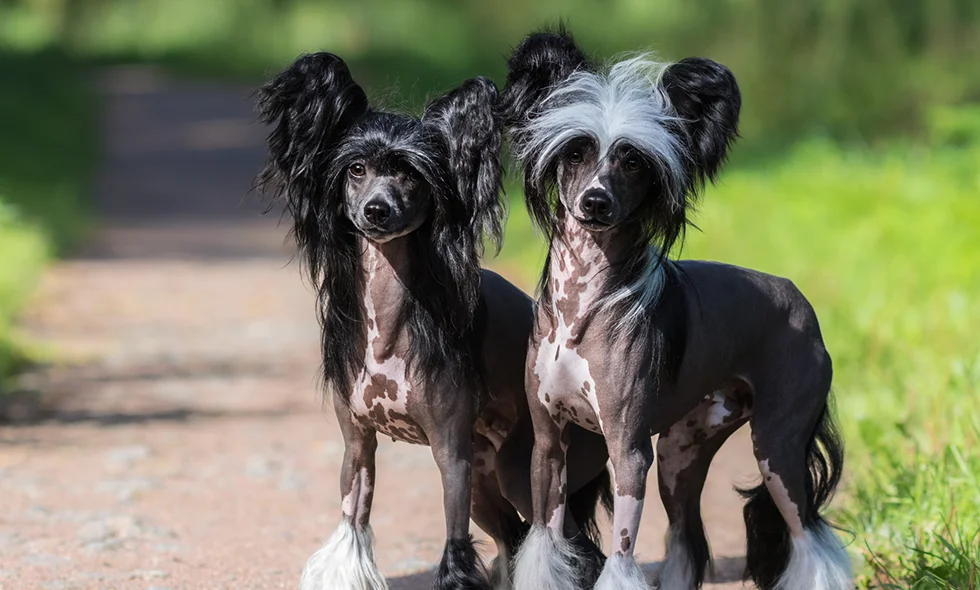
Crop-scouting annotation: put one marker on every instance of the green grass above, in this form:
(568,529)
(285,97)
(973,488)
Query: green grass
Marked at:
(47,150)
(887,248)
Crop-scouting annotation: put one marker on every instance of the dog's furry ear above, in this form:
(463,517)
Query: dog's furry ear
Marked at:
(539,63)
(466,120)
(310,106)
(706,97)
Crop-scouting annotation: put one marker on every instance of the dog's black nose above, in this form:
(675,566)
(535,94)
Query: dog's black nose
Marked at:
(597,205)
(377,212)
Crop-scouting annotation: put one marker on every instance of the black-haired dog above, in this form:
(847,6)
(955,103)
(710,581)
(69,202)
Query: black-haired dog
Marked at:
(629,343)
(418,343)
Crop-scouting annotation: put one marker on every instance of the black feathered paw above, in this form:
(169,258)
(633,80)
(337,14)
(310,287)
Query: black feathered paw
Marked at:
(461,568)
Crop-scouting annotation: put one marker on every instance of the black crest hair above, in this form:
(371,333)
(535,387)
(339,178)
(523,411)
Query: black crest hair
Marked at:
(538,64)
(321,121)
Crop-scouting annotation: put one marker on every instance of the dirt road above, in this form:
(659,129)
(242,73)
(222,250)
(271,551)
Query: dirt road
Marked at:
(187,448)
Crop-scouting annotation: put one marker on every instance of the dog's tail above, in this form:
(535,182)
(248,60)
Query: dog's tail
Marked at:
(775,559)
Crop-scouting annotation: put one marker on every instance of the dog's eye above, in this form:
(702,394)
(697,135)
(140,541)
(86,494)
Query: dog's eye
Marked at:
(574,156)
(413,174)
(633,162)
(356,170)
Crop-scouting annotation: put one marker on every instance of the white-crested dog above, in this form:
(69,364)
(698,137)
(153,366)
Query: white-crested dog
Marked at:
(629,344)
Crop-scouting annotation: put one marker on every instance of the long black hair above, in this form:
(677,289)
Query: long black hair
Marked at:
(321,120)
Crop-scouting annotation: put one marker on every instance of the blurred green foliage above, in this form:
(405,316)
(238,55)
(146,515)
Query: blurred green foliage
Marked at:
(855,70)
(47,149)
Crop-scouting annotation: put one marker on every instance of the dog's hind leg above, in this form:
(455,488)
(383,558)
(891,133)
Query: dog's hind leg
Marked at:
(452,447)
(494,514)
(790,546)
(684,453)
(346,561)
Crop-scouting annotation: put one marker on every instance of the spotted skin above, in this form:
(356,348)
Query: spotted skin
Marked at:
(580,372)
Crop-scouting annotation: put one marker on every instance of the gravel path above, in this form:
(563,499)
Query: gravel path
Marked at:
(188,449)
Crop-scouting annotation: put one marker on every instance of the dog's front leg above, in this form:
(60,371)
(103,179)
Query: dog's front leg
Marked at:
(452,447)
(631,454)
(547,560)
(346,561)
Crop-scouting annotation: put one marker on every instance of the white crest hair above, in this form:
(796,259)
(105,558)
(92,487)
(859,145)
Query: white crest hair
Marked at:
(626,103)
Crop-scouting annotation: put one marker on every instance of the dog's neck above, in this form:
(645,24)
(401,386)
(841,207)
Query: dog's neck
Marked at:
(582,263)
(385,266)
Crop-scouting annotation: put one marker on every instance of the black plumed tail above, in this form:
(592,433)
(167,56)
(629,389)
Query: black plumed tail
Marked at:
(461,568)
(768,536)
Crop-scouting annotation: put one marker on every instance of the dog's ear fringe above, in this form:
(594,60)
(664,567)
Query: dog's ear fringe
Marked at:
(706,98)
(467,121)
(310,106)
(538,64)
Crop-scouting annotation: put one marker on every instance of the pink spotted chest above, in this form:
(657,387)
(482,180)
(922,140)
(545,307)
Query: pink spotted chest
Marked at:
(384,392)
(565,382)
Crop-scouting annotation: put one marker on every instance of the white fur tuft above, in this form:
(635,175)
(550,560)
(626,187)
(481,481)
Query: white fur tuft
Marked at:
(645,290)
(345,562)
(621,573)
(817,561)
(546,561)
(676,572)
(626,103)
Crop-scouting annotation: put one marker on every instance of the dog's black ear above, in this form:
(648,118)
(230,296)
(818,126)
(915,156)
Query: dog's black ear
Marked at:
(310,106)
(539,63)
(466,120)
(706,98)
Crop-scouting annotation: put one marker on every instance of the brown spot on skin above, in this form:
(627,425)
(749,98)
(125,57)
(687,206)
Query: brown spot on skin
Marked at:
(624,532)
(378,415)
(547,398)
(587,386)
(378,388)
(551,337)
(625,544)
(557,350)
